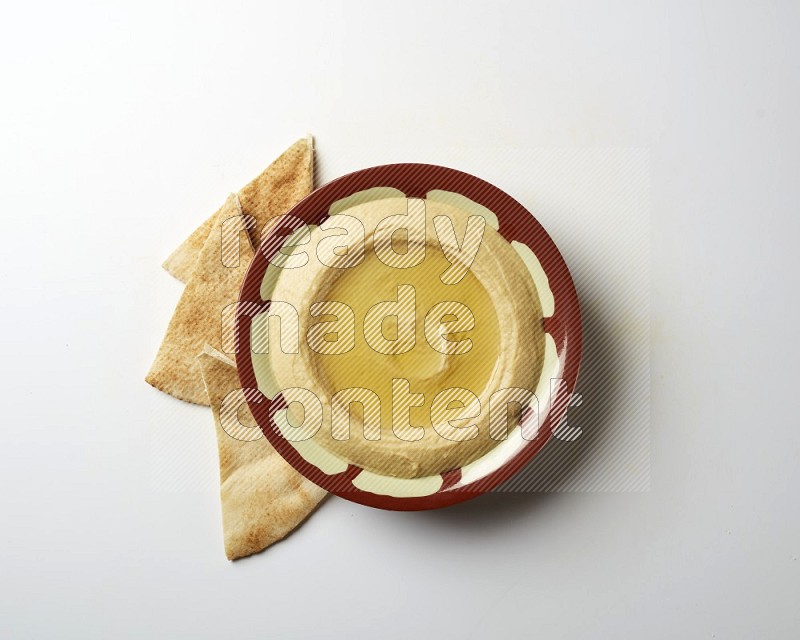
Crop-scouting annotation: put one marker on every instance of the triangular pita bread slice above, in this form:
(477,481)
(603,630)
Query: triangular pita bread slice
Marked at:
(263,497)
(197,320)
(279,187)
(181,261)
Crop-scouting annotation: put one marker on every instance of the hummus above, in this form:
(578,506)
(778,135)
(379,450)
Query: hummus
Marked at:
(415,362)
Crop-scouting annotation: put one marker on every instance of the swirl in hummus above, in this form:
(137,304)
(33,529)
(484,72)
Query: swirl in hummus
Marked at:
(419,365)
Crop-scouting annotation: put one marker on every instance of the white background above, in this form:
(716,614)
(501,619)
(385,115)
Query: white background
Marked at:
(123,126)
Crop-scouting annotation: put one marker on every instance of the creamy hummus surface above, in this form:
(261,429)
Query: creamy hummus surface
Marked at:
(418,364)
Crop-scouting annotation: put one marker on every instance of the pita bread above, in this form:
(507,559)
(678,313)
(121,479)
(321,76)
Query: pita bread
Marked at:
(181,261)
(197,320)
(279,187)
(212,286)
(263,497)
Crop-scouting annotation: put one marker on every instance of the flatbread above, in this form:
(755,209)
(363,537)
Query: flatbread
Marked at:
(197,320)
(279,187)
(263,497)
(181,261)
(212,285)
